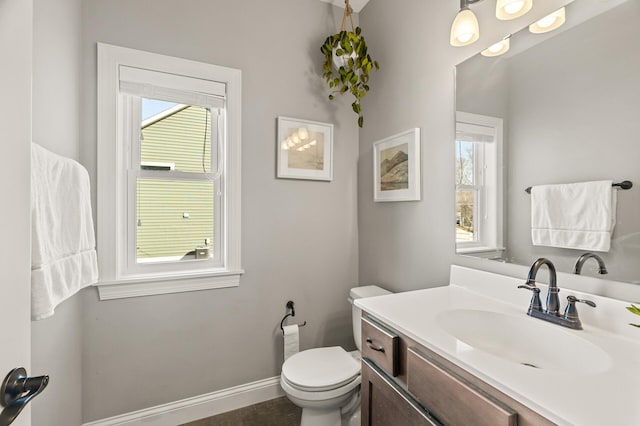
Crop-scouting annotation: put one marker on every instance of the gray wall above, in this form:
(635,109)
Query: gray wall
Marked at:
(57,341)
(299,238)
(410,245)
(481,87)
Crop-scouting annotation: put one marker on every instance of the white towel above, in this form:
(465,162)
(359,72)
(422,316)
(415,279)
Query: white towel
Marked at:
(576,215)
(63,255)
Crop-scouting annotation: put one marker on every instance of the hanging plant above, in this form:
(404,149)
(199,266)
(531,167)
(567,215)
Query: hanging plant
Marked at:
(347,63)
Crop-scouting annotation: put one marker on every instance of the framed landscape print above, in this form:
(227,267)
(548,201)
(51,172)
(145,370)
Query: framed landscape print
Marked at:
(396,167)
(305,149)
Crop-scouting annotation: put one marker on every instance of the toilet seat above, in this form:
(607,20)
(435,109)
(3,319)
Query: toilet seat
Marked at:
(327,395)
(320,369)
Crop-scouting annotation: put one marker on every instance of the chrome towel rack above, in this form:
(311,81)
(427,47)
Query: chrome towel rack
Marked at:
(292,313)
(626,184)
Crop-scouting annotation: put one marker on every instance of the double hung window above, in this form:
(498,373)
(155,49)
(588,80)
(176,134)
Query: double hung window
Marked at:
(168,169)
(478,183)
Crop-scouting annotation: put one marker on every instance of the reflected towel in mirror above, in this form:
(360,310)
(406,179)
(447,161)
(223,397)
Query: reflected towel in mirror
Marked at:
(576,215)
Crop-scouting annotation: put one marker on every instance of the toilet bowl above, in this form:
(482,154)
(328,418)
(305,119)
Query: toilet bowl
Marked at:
(325,382)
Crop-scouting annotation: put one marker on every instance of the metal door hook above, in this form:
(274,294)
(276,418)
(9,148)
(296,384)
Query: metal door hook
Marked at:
(17,391)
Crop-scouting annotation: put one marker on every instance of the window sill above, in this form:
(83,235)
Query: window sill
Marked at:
(151,286)
(478,249)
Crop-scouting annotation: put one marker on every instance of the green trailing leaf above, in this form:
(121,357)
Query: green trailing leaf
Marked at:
(633,309)
(353,76)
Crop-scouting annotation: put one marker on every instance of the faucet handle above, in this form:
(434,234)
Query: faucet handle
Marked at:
(530,287)
(571,313)
(536,304)
(573,299)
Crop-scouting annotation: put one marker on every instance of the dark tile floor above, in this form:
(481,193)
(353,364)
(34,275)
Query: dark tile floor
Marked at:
(277,412)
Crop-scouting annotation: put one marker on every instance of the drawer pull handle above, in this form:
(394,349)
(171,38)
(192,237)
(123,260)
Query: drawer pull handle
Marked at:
(375,348)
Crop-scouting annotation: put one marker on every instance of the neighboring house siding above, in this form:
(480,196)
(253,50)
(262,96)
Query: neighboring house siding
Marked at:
(178,138)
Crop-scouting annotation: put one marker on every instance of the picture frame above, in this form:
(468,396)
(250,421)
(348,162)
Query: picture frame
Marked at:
(396,167)
(305,149)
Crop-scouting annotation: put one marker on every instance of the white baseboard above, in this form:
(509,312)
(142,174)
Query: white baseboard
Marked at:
(198,407)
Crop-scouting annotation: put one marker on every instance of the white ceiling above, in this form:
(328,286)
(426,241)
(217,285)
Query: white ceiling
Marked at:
(357,5)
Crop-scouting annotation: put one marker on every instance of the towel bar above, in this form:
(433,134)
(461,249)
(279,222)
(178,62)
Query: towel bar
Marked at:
(627,184)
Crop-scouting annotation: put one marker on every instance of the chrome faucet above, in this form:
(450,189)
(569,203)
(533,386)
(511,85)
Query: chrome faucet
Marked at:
(602,269)
(552,312)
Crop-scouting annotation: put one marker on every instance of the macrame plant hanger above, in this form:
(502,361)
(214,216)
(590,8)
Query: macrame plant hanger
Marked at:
(348,12)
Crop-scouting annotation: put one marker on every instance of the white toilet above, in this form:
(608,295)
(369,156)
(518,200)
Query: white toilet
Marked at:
(325,382)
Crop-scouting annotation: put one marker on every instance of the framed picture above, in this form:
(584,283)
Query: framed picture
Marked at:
(396,167)
(305,149)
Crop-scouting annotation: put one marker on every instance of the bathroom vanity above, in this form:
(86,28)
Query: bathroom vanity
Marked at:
(467,353)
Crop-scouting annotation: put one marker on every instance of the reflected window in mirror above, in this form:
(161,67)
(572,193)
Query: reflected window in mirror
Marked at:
(478,175)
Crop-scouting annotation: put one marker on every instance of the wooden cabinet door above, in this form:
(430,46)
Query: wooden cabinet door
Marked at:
(385,403)
(455,400)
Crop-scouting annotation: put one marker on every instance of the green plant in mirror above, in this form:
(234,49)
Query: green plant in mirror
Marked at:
(634,310)
(352,75)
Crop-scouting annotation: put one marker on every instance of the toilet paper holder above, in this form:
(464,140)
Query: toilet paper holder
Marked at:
(292,313)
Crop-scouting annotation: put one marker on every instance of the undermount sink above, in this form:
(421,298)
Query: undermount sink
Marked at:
(524,340)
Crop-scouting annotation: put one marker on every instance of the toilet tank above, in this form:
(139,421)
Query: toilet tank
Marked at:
(356,313)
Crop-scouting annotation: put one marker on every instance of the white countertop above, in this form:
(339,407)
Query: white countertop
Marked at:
(610,396)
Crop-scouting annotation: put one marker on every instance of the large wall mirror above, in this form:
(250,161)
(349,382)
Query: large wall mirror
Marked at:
(558,107)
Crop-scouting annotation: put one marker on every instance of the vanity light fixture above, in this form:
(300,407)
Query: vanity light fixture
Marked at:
(498,48)
(465,29)
(550,22)
(512,9)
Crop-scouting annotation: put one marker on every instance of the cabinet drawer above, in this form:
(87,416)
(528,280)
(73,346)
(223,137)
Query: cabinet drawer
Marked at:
(385,403)
(450,397)
(380,346)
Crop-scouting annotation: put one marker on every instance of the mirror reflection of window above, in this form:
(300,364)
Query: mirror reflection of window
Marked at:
(478,183)
(467,154)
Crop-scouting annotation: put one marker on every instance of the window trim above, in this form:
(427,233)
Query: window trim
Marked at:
(491,232)
(114,283)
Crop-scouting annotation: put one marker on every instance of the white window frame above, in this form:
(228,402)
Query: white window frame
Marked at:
(489,184)
(118,280)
